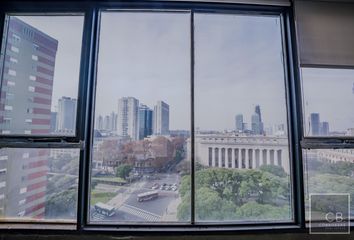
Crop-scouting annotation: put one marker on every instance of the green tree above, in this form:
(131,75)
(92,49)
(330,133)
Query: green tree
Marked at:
(62,204)
(123,171)
(253,210)
(273,169)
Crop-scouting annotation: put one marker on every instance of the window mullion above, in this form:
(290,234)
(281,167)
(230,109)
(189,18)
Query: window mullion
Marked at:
(88,78)
(192,123)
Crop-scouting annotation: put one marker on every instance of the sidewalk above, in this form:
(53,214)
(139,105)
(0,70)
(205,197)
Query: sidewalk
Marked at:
(170,215)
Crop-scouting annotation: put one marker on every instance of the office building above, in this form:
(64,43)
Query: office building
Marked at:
(145,121)
(127,121)
(324,128)
(256,121)
(66,118)
(53,121)
(113,119)
(161,118)
(239,123)
(99,123)
(315,124)
(107,123)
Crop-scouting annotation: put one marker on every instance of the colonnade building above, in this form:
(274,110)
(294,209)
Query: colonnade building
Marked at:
(241,152)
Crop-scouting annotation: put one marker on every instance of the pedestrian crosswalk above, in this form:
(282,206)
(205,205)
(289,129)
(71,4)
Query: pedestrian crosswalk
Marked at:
(97,216)
(148,216)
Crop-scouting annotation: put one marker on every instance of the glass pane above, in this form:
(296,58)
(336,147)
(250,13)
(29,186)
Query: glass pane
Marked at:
(38,184)
(142,119)
(40,74)
(241,144)
(328,171)
(328,95)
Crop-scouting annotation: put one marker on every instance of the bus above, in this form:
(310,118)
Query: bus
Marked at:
(104,209)
(147,196)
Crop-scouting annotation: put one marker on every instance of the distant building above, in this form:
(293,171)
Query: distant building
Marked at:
(113,118)
(241,152)
(315,124)
(256,121)
(324,128)
(128,121)
(66,117)
(53,121)
(99,124)
(145,121)
(161,118)
(239,124)
(107,123)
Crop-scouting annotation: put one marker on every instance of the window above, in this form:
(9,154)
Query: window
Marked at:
(241,109)
(170,116)
(327,89)
(12,72)
(13,60)
(58,41)
(142,118)
(15,49)
(39,181)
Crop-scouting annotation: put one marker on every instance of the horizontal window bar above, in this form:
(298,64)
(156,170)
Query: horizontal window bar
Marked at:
(40,143)
(325,143)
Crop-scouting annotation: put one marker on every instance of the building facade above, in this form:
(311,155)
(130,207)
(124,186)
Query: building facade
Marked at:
(66,117)
(161,119)
(239,123)
(241,152)
(145,121)
(128,121)
(27,86)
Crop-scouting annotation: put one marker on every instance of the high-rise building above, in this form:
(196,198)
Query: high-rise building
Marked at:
(145,121)
(239,123)
(127,121)
(256,121)
(26,95)
(53,121)
(66,118)
(107,123)
(315,124)
(99,124)
(161,118)
(324,128)
(113,118)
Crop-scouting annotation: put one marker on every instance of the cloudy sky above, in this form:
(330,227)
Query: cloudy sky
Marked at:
(238,64)
(68,31)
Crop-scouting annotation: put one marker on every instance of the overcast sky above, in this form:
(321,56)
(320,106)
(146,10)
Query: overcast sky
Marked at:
(68,31)
(238,64)
(330,92)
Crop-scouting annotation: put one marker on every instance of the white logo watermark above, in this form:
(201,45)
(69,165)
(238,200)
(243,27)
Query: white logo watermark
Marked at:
(329,213)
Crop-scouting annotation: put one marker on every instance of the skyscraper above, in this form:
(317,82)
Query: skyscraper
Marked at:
(161,118)
(145,121)
(27,73)
(66,118)
(315,124)
(256,121)
(127,121)
(107,123)
(113,118)
(99,124)
(324,128)
(53,121)
(239,123)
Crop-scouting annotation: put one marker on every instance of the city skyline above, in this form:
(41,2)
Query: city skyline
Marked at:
(330,90)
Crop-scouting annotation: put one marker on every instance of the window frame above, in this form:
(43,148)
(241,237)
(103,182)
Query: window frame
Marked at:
(85,117)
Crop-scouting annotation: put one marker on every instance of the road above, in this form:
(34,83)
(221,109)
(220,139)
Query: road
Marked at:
(129,209)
